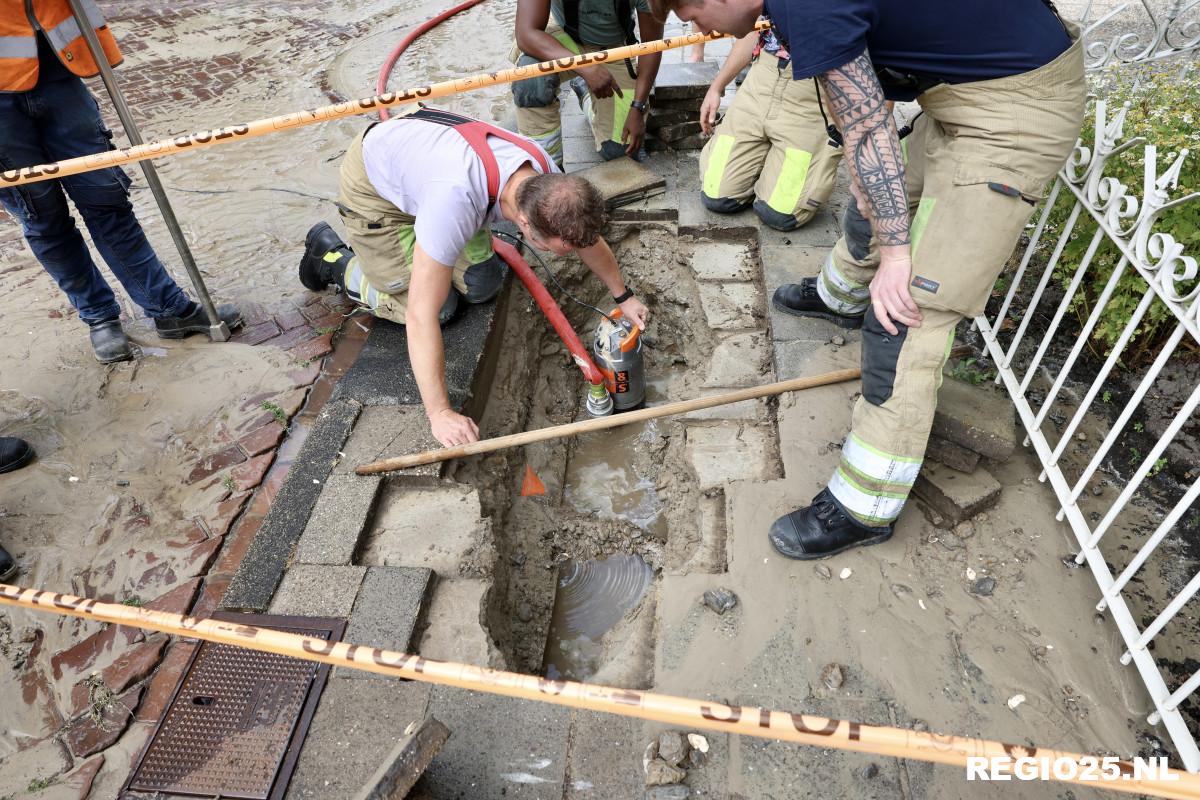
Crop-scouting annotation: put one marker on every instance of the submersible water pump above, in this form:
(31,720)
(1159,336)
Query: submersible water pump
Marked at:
(618,351)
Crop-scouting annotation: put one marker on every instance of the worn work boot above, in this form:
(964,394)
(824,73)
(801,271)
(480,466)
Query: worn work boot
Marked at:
(109,342)
(8,567)
(14,453)
(822,530)
(802,300)
(195,321)
(315,271)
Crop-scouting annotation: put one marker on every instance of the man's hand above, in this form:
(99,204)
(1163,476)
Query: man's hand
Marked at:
(635,311)
(634,132)
(451,428)
(709,109)
(600,81)
(890,297)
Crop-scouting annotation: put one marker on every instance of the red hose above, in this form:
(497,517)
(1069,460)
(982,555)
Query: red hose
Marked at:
(591,372)
(386,70)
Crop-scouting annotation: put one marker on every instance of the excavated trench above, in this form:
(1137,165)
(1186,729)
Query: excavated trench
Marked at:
(573,575)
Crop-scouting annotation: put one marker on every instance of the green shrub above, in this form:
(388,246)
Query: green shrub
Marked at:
(1164,108)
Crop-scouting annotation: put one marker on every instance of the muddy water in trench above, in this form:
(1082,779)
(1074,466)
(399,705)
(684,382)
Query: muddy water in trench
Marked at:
(604,478)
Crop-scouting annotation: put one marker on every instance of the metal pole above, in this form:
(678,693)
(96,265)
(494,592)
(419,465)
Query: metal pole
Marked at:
(218,331)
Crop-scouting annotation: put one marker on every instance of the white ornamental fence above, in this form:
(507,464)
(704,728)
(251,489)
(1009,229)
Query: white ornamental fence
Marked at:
(1158,35)
(1127,217)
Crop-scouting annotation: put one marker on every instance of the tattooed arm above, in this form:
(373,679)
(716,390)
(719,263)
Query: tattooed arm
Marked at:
(873,156)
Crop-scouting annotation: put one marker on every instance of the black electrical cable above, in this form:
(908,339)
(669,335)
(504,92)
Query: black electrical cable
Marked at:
(520,244)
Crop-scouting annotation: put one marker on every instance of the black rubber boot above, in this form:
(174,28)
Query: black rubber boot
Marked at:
(8,567)
(821,530)
(802,300)
(109,342)
(14,453)
(315,272)
(195,321)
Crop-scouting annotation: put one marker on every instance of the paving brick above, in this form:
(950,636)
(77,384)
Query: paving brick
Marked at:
(385,432)
(80,779)
(291,338)
(313,348)
(335,529)
(955,495)
(731,452)
(87,736)
(623,181)
(980,418)
(952,455)
(403,767)
(684,81)
(262,439)
(238,542)
(215,462)
(739,360)
(132,666)
(425,526)
(732,306)
(318,591)
(256,334)
(250,474)
(389,604)
(177,600)
(723,261)
(290,318)
(454,621)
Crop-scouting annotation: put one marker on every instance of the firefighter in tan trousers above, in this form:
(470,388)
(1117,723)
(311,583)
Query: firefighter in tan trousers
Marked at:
(614,95)
(771,150)
(1002,90)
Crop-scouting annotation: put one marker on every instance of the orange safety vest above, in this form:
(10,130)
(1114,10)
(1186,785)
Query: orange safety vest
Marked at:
(20,20)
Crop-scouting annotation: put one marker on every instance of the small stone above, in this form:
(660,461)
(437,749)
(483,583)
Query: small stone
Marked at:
(518,558)
(832,676)
(675,792)
(845,573)
(696,758)
(870,771)
(823,572)
(1015,701)
(720,599)
(838,340)
(1097,491)
(920,726)
(900,590)
(970,574)
(1081,436)
(981,517)
(1069,561)
(524,612)
(122,482)
(1027,481)
(672,747)
(660,773)
(951,541)
(698,742)
(983,587)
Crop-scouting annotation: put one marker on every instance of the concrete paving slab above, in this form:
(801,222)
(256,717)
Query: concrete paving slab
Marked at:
(356,726)
(336,526)
(386,432)
(386,611)
(312,590)
(623,181)
(788,265)
(454,622)
(813,424)
(499,747)
(743,410)
(980,418)
(955,495)
(731,452)
(732,306)
(952,455)
(683,81)
(262,567)
(723,261)
(434,527)
(803,357)
(605,757)
(739,360)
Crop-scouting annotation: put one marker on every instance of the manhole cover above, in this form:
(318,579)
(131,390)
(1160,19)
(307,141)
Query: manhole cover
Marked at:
(238,718)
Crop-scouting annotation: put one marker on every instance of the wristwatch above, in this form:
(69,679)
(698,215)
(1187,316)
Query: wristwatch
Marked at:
(623,296)
(640,105)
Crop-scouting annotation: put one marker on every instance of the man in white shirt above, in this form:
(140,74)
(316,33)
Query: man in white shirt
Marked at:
(417,196)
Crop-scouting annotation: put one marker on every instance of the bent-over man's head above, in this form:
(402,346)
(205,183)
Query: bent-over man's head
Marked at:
(735,17)
(560,213)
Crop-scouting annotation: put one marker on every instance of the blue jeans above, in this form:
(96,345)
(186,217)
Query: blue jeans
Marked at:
(56,120)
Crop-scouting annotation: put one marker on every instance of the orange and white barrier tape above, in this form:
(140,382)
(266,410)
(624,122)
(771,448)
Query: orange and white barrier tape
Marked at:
(678,711)
(298,119)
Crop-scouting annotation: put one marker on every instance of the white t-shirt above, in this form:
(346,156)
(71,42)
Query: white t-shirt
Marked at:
(428,171)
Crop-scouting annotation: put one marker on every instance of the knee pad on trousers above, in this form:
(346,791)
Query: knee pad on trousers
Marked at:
(449,308)
(775,219)
(880,355)
(484,280)
(857,230)
(723,205)
(610,150)
(536,92)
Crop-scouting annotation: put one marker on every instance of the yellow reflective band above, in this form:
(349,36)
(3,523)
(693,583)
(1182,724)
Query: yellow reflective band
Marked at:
(621,107)
(722,148)
(791,181)
(920,220)
(332,256)
(904,150)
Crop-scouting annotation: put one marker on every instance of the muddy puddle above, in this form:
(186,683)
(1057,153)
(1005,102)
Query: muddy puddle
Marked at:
(603,479)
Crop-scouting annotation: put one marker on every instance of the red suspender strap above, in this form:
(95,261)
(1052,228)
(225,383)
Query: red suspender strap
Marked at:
(476,133)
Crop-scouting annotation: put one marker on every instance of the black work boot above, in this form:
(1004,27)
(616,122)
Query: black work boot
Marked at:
(821,530)
(14,453)
(195,321)
(109,342)
(315,272)
(8,567)
(802,300)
